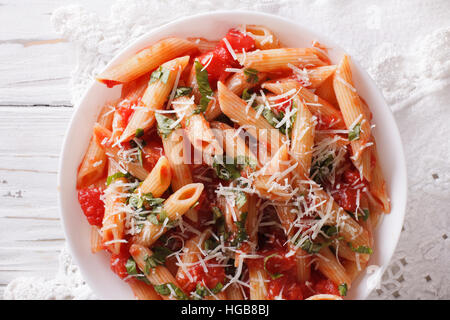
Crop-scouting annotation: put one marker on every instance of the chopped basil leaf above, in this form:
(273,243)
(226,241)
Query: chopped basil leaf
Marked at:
(353,134)
(322,168)
(139,132)
(201,291)
(183,91)
(360,249)
(311,247)
(366,214)
(273,119)
(203,86)
(133,271)
(252,75)
(131,267)
(245,95)
(211,244)
(330,230)
(140,159)
(219,221)
(115,176)
(272,275)
(241,234)
(226,168)
(160,74)
(167,288)
(241,199)
(343,289)
(165,125)
(158,258)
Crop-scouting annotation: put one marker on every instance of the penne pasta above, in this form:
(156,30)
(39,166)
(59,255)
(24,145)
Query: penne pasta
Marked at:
(143,291)
(355,118)
(263,36)
(174,207)
(94,163)
(278,59)
(158,276)
(291,188)
(160,86)
(302,139)
(145,61)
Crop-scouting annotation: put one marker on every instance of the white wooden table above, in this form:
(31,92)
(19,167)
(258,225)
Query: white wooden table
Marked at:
(35,109)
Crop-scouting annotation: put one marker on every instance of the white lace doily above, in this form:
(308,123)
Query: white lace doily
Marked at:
(412,69)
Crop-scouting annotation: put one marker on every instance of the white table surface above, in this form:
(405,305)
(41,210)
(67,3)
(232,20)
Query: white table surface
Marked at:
(35,70)
(35,67)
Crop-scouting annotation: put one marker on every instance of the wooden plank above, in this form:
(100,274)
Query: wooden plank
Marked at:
(32,236)
(34,60)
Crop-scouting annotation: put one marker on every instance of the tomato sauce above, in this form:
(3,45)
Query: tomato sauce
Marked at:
(209,278)
(220,58)
(345,190)
(282,104)
(118,261)
(91,204)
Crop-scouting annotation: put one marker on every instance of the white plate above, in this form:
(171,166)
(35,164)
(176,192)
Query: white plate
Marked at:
(95,267)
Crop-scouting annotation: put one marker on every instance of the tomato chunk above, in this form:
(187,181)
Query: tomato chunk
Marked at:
(326,286)
(92,206)
(118,261)
(217,60)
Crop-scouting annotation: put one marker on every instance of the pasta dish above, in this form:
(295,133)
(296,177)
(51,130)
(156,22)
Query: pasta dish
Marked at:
(233,169)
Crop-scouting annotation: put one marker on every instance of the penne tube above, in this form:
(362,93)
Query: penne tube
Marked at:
(174,207)
(264,37)
(197,129)
(348,227)
(94,163)
(377,185)
(258,278)
(146,60)
(236,109)
(96,239)
(275,60)
(355,118)
(327,115)
(326,92)
(234,292)
(317,76)
(270,182)
(143,291)
(158,275)
(353,269)
(160,86)
(343,250)
(239,81)
(158,179)
(113,224)
(174,148)
(302,142)
(103,138)
(330,267)
(231,142)
(203,44)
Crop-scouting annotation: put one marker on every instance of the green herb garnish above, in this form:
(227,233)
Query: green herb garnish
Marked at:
(161,74)
(203,86)
(167,288)
(272,275)
(343,289)
(353,134)
(158,258)
(183,91)
(252,75)
(139,132)
(360,249)
(115,176)
(165,125)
